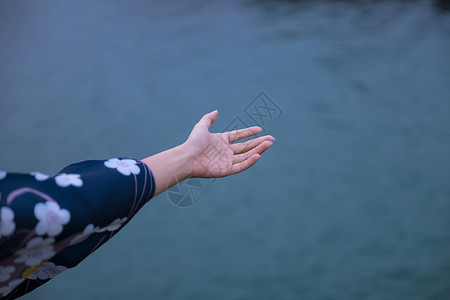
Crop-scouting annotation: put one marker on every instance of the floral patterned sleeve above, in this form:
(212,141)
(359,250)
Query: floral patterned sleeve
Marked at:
(50,224)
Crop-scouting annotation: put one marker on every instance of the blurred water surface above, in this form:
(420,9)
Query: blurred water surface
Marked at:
(351,202)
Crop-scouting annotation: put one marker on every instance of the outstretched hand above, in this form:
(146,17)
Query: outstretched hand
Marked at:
(217,154)
(206,154)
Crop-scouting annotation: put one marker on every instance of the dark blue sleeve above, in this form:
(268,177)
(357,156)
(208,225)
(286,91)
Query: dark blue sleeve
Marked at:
(50,224)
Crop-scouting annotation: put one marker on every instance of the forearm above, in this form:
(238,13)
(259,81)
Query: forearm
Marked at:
(49,224)
(169,167)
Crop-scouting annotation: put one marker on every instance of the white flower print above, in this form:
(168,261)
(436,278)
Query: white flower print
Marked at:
(88,230)
(37,250)
(7,224)
(114,225)
(46,271)
(5,290)
(65,180)
(5,272)
(40,176)
(124,166)
(2,174)
(51,218)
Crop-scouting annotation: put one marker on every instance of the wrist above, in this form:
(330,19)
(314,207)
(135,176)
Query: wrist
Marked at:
(183,158)
(170,167)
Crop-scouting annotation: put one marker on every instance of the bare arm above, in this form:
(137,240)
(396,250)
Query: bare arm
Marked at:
(207,155)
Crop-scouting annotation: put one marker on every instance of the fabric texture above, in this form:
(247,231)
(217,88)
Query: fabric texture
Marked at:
(50,224)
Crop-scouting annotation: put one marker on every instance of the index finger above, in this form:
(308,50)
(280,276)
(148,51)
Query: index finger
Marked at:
(240,134)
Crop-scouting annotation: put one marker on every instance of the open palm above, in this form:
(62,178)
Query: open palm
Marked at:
(216,154)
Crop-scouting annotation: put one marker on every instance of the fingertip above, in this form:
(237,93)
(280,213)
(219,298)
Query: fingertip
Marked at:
(253,159)
(256,157)
(267,138)
(214,114)
(209,118)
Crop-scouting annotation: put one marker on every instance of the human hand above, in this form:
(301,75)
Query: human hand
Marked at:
(207,155)
(217,154)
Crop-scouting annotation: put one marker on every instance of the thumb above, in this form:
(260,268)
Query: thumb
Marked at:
(208,119)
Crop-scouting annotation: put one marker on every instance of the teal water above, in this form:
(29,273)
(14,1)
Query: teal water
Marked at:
(351,202)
